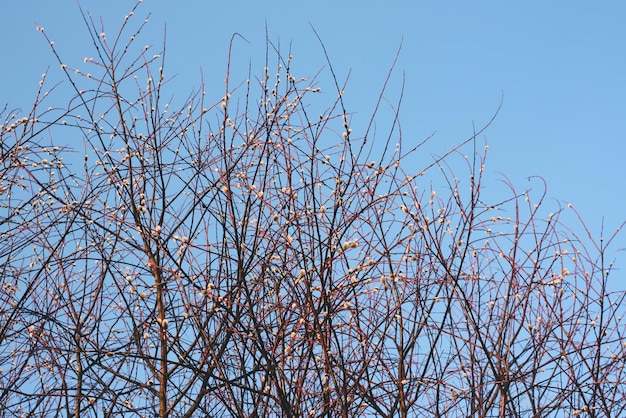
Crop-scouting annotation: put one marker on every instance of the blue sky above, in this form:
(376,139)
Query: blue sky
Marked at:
(560,66)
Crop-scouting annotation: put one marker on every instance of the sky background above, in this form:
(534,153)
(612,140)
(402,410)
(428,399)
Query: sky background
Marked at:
(560,68)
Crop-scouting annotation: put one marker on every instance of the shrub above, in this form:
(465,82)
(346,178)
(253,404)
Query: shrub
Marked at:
(247,257)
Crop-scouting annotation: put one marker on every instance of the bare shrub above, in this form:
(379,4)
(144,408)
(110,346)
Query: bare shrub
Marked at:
(249,257)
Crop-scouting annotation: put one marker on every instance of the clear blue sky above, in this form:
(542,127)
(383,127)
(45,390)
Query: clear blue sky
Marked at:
(560,65)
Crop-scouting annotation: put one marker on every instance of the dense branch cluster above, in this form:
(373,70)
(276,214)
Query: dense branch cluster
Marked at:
(255,257)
